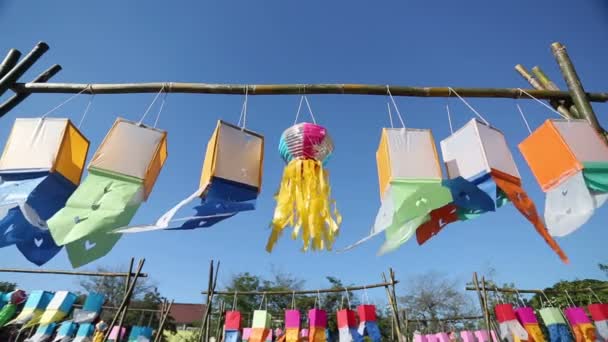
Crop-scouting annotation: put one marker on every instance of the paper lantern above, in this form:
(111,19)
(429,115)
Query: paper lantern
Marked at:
(317,321)
(570,162)
(599,314)
(43,333)
(507,321)
(442,337)
(59,307)
(526,316)
(66,331)
(468,336)
(303,200)
(246,334)
(368,327)
(230,183)
(410,181)
(419,337)
(40,167)
(117,334)
(121,176)
(85,332)
(292,326)
(581,324)
(347,326)
(483,336)
(480,155)
(91,308)
(34,307)
(232,326)
(140,334)
(7,313)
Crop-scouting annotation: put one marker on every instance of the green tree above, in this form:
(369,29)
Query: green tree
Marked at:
(604,268)
(578,293)
(6,286)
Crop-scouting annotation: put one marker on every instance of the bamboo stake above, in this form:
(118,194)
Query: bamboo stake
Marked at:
(290,89)
(391,302)
(289,292)
(22,66)
(447,319)
(482,302)
(16,99)
(74,273)
(12,57)
(556,104)
(579,97)
(127,283)
(401,336)
(548,84)
(485,296)
(513,290)
(161,326)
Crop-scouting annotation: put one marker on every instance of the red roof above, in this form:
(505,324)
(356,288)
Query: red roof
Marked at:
(184,313)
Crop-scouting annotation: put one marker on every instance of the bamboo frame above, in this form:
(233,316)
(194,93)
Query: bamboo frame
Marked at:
(302,292)
(73,273)
(16,99)
(9,79)
(447,319)
(533,291)
(292,89)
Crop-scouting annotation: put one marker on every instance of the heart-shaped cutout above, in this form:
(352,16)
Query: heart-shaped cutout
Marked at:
(9,229)
(88,245)
(38,242)
(442,223)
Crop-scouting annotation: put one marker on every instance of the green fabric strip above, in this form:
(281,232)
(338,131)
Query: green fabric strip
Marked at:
(415,198)
(596,176)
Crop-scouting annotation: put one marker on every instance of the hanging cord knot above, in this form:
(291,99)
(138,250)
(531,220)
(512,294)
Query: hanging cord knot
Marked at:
(470,107)
(152,104)
(447,109)
(388,92)
(243,116)
(544,104)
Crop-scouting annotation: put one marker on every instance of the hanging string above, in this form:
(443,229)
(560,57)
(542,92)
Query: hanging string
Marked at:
(303,98)
(595,295)
(388,91)
(243,115)
(318,299)
(390,114)
(521,91)
(447,108)
(234,301)
(262,302)
(86,110)
(519,298)
(521,112)
(151,104)
(66,101)
(160,109)
(293,300)
(365,295)
(470,107)
(498,296)
(547,298)
(347,298)
(570,298)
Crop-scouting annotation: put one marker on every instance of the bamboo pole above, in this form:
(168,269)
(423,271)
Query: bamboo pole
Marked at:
(290,89)
(482,301)
(392,302)
(161,326)
(579,97)
(534,291)
(447,319)
(127,283)
(289,292)
(16,99)
(12,57)
(548,84)
(22,66)
(74,273)
(556,104)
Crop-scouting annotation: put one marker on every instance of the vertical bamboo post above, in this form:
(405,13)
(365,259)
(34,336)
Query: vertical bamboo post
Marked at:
(204,331)
(485,295)
(161,325)
(549,85)
(390,294)
(406,323)
(127,283)
(482,302)
(536,84)
(206,312)
(579,97)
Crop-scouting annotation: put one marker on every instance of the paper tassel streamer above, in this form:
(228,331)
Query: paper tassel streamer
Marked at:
(303,200)
(479,154)
(36,302)
(140,334)
(260,329)
(66,332)
(122,174)
(292,326)
(91,308)
(526,316)
(317,320)
(599,314)
(410,185)
(43,333)
(570,162)
(368,327)
(40,167)
(347,326)
(583,329)
(232,326)
(58,308)
(230,183)
(85,332)
(510,328)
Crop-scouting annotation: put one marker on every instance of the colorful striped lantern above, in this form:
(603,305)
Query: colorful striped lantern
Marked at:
(121,176)
(85,332)
(40,168)
(58,308)
(292,326)
(570,162)
(468,336)
(418,337)
(556,324)
(117,334)
(260,329)
(510,328)
(599,314)
(90,309)
(304,197)
(526,316)
(66,332)
(483,336)
(480,155)
(368,327)
(410,179)
(442,337)
(347,326)
(36,302)
(140,334)
(317,321)
(583,329)
(232,326)
(43,333)
(246,334)
(230,183)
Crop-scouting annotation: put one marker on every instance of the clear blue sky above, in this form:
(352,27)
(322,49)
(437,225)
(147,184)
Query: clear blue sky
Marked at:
(420,43)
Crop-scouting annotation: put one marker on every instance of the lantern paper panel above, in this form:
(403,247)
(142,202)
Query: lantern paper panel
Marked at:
(305,189)
(121,176)
(33,308)
(117,334)
(368,327)
(570,162)
(66,331)
(347,326)
(599,314)
(85,332)
(509,327)
(292,326)
(90,309)
(230,182)
(59,307)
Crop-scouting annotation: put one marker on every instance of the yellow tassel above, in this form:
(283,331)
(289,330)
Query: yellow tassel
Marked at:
(303,202)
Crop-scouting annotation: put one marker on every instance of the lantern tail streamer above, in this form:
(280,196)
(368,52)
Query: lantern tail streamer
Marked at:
(43,333)
(66,331)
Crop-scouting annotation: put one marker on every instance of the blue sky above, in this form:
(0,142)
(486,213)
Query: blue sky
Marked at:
(418,43)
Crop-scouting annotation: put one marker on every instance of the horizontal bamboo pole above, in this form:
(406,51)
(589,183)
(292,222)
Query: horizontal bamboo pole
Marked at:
(292,89)
(74,273)
(114,308)
(447,319)
(301,292)
(512,290)
(16,99)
